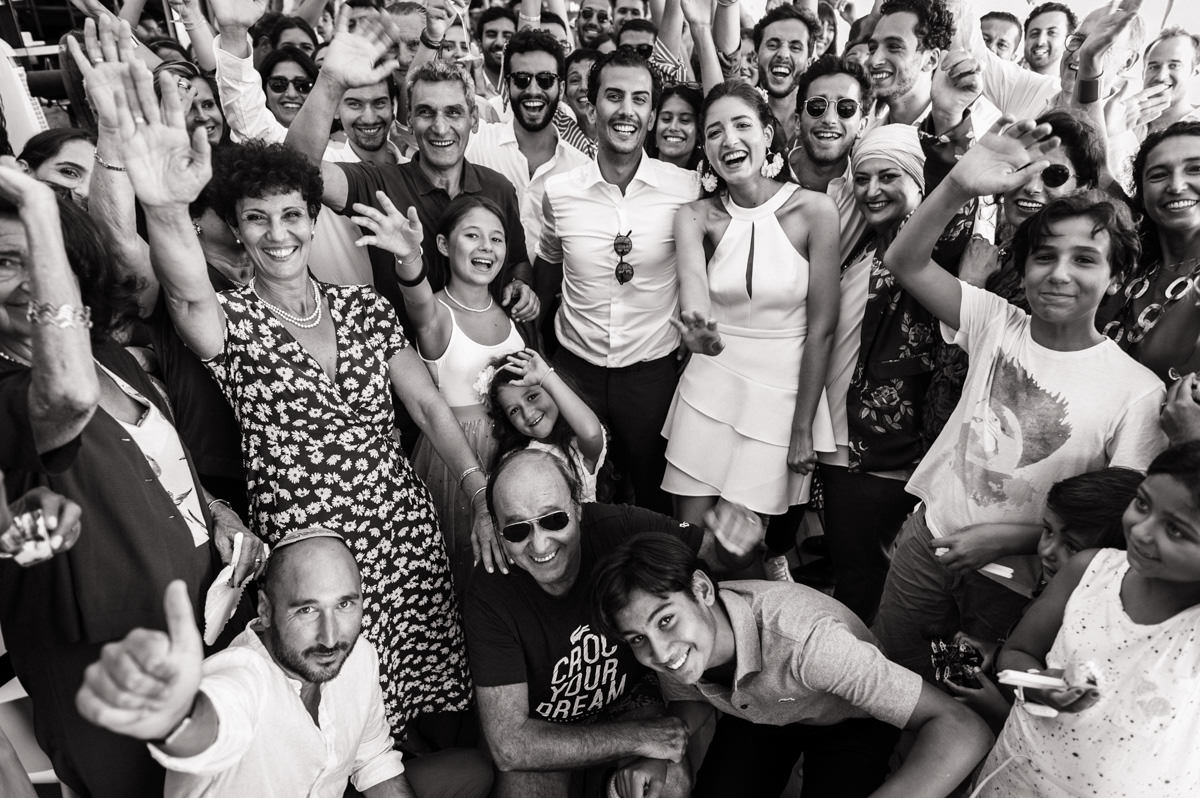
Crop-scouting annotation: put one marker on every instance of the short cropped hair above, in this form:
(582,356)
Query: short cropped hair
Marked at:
(828,65)
(1091,505)
(654,562)
(493,13)
(1004,16)
(439,71)
(532,40)
(1049,8)
(1183,463)
(1176,32)
(623,58)
(637,24)
(935,23)
(787,11)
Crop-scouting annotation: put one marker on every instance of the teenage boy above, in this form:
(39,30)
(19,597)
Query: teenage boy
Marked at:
(792,671)
(1046,396)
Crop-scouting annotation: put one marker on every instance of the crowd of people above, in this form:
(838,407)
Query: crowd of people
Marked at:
(429,399)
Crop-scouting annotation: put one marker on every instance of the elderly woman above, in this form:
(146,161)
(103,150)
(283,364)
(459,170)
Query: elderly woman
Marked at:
(879,370)
(78,416)
(309,369)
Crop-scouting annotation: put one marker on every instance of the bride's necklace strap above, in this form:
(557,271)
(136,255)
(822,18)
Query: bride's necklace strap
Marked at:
(485,309)
(303,322)
(14,359)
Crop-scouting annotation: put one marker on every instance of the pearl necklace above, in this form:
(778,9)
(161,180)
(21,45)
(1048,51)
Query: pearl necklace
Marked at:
(12,359)
(491,301)
(303,322)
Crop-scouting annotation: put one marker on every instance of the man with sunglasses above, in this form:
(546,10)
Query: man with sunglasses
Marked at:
(638,35)
(593,25)
(527,149)
(560,703)
(608,247)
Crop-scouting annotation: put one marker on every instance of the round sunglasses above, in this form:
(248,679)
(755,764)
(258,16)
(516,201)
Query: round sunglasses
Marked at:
(817,106)
(279,84)
(517,531)
(1055,175)
(587,14)
(545,80)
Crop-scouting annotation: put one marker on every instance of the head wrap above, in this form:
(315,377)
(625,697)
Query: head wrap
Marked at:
(895,143)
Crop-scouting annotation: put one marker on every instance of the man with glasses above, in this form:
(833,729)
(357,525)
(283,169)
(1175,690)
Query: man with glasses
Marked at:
(608,246)
(638,35)
(560,703)
(528,149)
(593,25)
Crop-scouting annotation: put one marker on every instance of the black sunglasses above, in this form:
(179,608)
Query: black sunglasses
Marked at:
(551,522)
(817,106)
(279,84)
(545,80)
(623,245)
(588,13)
(1055,175)
(644,50)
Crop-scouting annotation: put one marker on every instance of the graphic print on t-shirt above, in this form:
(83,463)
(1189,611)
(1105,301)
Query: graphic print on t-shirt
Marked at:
(585,679)
(1018,423)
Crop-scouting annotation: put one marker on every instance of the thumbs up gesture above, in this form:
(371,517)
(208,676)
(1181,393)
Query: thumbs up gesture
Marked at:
(144,686)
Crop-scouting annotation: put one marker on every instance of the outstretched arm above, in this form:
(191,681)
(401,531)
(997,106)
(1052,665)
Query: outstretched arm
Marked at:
(534,370)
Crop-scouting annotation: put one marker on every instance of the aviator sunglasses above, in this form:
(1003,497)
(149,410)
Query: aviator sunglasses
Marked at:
(817,106)
(551,522)
(545,80)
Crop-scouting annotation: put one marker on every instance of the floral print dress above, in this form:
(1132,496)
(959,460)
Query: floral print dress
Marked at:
(321,452)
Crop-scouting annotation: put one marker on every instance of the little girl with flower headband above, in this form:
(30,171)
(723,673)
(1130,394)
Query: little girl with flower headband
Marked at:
(459,331)
(535,408)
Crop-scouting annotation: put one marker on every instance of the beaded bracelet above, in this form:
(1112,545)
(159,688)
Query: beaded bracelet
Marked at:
(112,167)
(61,316)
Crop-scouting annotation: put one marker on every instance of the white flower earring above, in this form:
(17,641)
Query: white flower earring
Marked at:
(708,178)
(772,165)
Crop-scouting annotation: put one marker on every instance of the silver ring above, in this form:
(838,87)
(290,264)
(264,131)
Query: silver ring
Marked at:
(258,560)
(139,120)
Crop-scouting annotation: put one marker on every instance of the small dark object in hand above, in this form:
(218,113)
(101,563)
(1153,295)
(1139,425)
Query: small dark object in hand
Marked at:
(955,662)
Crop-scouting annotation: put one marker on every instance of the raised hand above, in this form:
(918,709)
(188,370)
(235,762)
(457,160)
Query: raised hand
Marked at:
(1143,107)
(439,14)
(165,165)
(108,48)
(699,334)
(957,82)
(92,8)
(1109,28)
(187,11)
(360,57)
(392,230)
(237,13)
(529,366)
(980,260)
(1003,160)
(1180,417)
(143,686)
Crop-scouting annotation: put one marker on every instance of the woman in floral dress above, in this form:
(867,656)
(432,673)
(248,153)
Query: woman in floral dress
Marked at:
(308,368)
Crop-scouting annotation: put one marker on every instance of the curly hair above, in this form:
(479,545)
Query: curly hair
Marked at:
(828,65)
(532,40)
(43,146)
(935,23)
(788,11)
(1079,137)
(111,294)
(749,95)
(1149,230)
(1107,215)
(256,168)
(623,58)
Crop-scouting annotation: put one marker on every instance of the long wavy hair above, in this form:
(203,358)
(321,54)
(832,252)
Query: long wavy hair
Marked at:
(750,96)
(1147,229)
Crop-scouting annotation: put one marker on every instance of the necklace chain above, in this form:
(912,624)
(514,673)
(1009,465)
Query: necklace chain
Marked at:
(1136,328)
(303,322)
(12,358)
(485,309)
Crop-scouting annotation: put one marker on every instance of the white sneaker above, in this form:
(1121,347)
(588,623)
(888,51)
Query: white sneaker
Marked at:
(778,569)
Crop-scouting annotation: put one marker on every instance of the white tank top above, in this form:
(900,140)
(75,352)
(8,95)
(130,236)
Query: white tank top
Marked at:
(457,370)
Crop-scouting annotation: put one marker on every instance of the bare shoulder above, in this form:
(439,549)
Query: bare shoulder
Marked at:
(808,202)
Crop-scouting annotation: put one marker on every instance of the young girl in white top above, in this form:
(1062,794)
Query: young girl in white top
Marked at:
(459,331)
(535,408)
(1120,627)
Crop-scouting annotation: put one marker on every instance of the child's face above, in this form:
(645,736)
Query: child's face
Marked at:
(477,247)
(1162,531)
(1057,544)
(530,410)
(1068,273)
(674,635)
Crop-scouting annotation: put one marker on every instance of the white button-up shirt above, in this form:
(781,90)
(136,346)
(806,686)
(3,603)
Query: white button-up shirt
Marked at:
(267,744)
(600,320)
(495,145)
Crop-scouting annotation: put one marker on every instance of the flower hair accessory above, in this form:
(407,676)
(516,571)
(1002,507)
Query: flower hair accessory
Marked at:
(483,383)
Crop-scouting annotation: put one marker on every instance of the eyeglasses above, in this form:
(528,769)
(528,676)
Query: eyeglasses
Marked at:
(817,106)
(1055,175)
(545,80)
(1074,42)
(587,14)
(551,522)
(279,84)
(644,50)
(623,245)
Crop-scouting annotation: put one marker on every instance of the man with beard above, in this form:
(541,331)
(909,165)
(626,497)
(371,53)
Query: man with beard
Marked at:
(232,724)
(593,25)
(496,26)
(1173,60)
(441,115)
(783,41)
(906,47)
(527,149)
(833,96)
(1046,30)
(607,245)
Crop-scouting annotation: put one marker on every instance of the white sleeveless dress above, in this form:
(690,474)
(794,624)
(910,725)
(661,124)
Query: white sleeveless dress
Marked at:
(1140,738)
(730,422)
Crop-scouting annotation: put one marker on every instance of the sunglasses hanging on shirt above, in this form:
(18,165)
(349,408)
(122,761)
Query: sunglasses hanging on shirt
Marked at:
(623,245)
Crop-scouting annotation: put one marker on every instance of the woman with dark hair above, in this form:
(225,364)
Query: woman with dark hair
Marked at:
(80,417)
(62,156)
(1155,316)
(826,42)
(758,316)
(309,369)
(676,138)
(206,111)
(288,75)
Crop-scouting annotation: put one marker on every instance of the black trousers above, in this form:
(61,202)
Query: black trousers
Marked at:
(845,760)
(632,402)
(863,514)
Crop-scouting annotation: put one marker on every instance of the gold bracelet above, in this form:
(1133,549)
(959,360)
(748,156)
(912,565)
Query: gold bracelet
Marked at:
(61,316)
